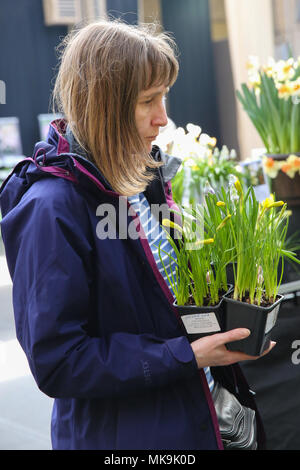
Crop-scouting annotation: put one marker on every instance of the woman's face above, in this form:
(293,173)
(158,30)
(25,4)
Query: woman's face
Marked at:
(150,114)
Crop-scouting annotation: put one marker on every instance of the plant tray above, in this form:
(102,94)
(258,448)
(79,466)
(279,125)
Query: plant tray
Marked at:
(259,320)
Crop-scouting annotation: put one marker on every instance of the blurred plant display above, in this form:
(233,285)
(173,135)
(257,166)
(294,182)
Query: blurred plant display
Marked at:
(289,166)
(204,166)
(271,99)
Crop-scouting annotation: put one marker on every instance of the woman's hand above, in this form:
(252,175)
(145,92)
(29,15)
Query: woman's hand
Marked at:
(211,350)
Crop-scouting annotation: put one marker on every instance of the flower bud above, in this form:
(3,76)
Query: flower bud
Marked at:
(170,224)
(238,187)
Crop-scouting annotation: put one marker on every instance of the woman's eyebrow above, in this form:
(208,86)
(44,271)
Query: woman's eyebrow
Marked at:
(152,95)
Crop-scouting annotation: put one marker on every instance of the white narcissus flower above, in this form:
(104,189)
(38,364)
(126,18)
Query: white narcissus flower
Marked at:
(269,69)
(206,140)
(291,166)
(164,140)
(194,130)
(254,80)
(285,70)
(285,90)
(271,166)
(187,144)
(296,87)
(294,161)
(252,63)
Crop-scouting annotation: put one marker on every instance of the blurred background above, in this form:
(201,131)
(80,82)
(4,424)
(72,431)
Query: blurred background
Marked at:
(215,39)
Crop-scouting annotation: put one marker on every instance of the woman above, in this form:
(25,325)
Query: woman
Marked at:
(93,311)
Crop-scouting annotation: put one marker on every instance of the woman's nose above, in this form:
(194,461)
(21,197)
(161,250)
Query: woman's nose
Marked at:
(160,119)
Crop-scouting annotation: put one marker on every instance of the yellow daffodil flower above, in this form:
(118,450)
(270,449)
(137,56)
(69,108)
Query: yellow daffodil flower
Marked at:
(170,224)
(199,244)
(285,90)
(238,187)
(271,166)
(275,204)
(252,63)
(285,69)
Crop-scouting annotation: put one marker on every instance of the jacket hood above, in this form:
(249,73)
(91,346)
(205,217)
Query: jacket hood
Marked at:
(60,155)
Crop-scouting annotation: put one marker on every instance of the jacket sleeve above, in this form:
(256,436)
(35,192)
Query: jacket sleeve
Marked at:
(48,254)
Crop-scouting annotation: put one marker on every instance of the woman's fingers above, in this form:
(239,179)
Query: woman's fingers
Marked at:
(211,350)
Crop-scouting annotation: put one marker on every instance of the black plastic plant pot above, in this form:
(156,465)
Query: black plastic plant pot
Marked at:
(201,321)
(259,320)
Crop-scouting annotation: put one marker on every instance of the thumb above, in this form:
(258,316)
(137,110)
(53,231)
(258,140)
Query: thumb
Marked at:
(233,335)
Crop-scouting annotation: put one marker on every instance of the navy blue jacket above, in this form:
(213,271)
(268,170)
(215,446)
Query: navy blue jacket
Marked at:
(95,317)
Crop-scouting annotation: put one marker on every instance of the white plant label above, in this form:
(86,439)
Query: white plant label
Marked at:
(271,320)
(201,323)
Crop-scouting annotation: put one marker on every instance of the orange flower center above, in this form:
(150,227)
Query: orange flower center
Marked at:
(270,163)
(286,167)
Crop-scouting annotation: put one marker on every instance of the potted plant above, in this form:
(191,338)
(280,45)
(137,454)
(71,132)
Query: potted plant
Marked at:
(249,236)
(271,99)
(258,236)
(198,284)
(202,163)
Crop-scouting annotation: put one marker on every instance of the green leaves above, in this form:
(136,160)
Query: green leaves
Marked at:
(258,238)
(231,227)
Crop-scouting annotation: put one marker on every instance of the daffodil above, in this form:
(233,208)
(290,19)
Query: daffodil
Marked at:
(238,187)
(193,129)
(254,82)
(201,160)
(276,120)
(170,224)
(289,169)
(252,63)
(199,244)
(285,90)
(206,140)
(271,166)
(294,161)
(296,87)
(275,204)
(269,68)
(285,69)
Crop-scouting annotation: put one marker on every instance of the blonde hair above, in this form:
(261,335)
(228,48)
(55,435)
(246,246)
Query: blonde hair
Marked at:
(103,68)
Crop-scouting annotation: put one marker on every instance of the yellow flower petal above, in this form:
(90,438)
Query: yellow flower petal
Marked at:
(207,241)
(170,224)
(275,204)
(238,187)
